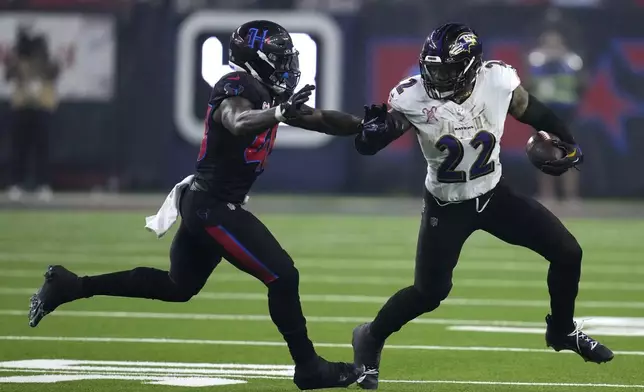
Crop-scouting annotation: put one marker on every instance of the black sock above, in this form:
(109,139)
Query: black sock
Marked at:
(563,285)
(141,282)
(286,312)
(402,307)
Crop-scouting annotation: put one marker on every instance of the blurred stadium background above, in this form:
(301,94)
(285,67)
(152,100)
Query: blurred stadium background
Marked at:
(111,116)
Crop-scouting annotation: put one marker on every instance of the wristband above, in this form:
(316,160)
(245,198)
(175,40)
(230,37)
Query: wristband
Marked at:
(278,114)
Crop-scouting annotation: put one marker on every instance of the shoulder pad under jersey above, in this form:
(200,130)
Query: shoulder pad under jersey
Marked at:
(500,75)
(407,95)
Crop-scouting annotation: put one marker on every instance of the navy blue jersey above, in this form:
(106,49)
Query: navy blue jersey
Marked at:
(230,164)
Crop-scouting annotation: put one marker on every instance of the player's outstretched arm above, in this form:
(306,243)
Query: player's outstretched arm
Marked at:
(331,122)
(529,110)
(380,128)
(238,116)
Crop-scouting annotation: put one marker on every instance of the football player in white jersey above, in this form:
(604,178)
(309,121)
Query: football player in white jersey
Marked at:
(457,107)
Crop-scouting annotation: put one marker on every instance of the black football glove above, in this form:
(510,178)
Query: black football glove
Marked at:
(292,108)
(374,120)
(573,157)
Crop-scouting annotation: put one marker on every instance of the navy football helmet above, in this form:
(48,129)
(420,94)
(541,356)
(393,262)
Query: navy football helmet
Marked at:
(265,50)
(450,60)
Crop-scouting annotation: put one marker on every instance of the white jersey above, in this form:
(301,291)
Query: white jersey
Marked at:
(460,142)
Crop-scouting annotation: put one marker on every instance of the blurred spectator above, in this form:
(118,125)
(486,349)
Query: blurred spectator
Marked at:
(556,79)
(32,75)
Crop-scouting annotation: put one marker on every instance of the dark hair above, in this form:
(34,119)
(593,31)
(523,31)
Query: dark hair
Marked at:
(29,46)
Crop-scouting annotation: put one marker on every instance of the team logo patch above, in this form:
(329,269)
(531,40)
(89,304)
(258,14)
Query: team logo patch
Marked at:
(430,114)
(463,43)
(230,90)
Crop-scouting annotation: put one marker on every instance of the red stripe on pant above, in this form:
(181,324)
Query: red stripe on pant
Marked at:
(241,254)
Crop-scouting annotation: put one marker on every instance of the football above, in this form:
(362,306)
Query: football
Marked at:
(541,150)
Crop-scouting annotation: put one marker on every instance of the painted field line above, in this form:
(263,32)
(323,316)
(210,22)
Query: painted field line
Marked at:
(379,281)
(260,317)
(599,331)
(135,376)
(514,384)
(280,344)
(364,299)
(309,263)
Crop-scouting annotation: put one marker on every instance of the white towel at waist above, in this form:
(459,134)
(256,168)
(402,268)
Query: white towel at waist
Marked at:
(169,211)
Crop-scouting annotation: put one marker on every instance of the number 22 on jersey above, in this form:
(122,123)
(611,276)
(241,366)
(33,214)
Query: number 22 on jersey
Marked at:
(483,140)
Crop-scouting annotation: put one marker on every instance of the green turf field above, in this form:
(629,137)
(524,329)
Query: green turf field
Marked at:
(487,337)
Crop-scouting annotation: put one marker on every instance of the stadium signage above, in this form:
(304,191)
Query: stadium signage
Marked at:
(317,37)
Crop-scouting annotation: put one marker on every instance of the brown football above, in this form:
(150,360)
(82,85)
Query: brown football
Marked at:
(541,150)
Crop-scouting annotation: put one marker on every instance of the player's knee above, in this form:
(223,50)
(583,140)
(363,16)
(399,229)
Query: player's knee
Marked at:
(432,295)
(286,281)
(183,291)
(570,252)
(441,292)
(185,294)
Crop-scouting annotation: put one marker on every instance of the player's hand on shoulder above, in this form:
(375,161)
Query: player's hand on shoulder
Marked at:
(573,157)
(294,107)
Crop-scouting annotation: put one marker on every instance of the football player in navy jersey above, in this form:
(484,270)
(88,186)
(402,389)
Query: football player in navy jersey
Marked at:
(246,106)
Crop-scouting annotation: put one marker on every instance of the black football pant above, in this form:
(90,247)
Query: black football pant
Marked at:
(513,218)
(209,230)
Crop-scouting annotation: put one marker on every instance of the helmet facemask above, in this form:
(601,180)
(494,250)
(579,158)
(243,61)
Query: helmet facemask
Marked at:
(286,71)
(449,80)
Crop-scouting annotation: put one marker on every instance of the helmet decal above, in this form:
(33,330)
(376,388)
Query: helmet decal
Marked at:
(463,43)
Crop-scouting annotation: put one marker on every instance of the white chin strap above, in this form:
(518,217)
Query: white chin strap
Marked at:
(442,95)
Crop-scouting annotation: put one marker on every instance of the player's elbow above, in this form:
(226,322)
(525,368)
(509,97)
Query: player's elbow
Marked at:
(237,130)
(241,127)
(239,124)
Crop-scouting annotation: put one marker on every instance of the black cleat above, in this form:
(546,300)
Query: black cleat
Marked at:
(61,286)
(366,352)
(588,348)
(320,374)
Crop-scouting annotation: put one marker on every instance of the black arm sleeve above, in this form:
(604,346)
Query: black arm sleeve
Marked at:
(542,118)
(394,127)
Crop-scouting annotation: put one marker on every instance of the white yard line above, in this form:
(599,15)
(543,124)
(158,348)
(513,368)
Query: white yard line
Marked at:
(310,263)
(626,330)
(260,317)
(280,344)
(364,299)
(133,376)
(378,281)
(601,326)
(516,384)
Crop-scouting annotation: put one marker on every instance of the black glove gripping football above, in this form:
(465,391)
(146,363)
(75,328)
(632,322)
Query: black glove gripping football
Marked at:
(573,157)
(292,108)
